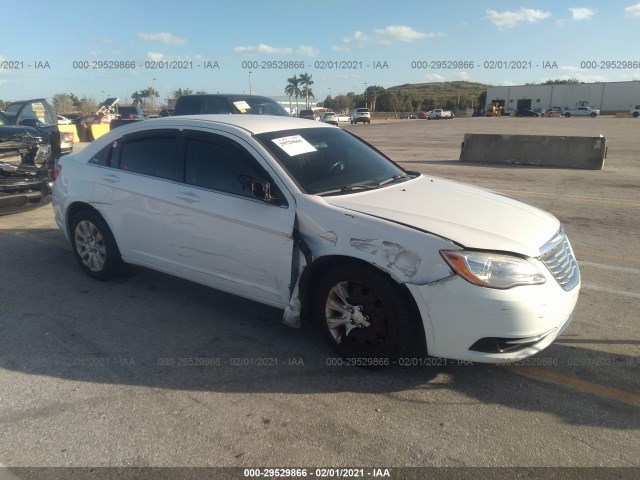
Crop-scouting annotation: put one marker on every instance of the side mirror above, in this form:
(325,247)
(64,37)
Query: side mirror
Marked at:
(261,189)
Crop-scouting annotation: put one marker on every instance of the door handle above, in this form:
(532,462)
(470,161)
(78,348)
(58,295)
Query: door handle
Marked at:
(188,197)
(111,178)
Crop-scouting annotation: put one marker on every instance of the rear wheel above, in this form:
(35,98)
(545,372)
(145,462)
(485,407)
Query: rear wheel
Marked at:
(567,115)
(93,245)
(364,315)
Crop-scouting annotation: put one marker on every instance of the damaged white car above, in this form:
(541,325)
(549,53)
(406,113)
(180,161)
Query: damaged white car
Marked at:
(308,218)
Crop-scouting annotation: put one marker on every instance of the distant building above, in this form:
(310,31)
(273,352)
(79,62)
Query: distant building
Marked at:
(605,96)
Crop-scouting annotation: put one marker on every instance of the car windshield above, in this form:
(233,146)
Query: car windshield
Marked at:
(328,161)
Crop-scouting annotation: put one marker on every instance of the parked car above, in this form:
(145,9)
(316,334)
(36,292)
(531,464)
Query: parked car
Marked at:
(308,114)
(527,112)
(440,114)
(28,150)
(228,103)
(63,120)
(329,117)
(360,115)
(635,111)
(423,115)
(343,118)
(308,218)
(130,113)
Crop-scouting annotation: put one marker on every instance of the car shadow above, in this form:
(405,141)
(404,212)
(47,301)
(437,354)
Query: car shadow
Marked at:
(154,330)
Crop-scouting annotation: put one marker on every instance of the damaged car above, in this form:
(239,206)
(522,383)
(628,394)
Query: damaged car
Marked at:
(311,219)
(30,143)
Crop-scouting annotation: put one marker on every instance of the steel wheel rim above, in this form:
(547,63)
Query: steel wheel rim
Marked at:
(90,246)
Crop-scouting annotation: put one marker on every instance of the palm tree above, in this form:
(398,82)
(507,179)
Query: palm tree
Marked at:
(137,98)
(307,93)
(305,79)
(293,90)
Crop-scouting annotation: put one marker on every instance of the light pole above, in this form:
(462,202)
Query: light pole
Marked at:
(366,101)
(249,82)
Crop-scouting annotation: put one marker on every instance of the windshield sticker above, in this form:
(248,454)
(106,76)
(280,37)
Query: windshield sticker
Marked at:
(242,106)
(294,145)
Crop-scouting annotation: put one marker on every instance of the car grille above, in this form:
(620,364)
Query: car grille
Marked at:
(560,260)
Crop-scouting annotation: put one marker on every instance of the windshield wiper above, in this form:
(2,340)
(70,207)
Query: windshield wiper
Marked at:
(348,188)
(395,178)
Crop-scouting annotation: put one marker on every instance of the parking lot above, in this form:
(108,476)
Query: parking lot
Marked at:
(150,370)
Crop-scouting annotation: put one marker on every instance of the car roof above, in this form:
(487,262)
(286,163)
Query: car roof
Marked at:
(253,124)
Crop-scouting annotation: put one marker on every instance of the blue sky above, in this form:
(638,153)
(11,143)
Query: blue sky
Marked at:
(361,34)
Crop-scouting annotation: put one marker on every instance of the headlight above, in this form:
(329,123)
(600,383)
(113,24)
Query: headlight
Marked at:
(493,270)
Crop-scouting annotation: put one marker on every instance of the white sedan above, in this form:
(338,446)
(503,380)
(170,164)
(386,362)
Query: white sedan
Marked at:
(307,218)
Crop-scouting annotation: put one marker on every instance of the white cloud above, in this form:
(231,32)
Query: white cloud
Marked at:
(434,77)
(262,49)
(163,37)
(511,19)
(581,13)
(387,36)
(464,76)
(307,51)
(339,48)
(94,53)
(633,10)
(399,32)
(155,56)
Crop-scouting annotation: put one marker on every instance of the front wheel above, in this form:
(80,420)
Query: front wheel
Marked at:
(364,314)
(93,245)
(567,115)
(594,115)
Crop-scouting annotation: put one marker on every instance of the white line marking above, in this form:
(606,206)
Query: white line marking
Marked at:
(614,291)
(610,267)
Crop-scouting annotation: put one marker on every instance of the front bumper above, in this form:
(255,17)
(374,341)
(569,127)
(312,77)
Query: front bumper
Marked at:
(466,322)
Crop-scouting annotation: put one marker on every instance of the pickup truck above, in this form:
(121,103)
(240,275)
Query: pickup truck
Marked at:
(635,111)
(581,112)
(29,146)
(440,114)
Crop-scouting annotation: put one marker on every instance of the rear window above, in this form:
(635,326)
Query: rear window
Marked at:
(362,110)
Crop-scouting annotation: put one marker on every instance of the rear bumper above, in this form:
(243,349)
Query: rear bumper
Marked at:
(18,195)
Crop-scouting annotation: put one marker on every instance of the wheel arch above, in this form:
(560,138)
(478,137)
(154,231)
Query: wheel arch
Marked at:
(77,207)
(320,266)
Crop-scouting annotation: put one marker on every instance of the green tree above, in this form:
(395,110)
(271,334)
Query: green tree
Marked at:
(63,103)
(562,81)
(372,93)
(306,82)
(482,100)
(87,105)
(137,98)
(293,90)
(181,91)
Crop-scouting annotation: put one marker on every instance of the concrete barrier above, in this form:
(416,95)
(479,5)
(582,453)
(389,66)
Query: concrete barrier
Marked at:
(541,150)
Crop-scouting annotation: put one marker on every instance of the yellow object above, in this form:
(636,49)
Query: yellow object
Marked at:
(99,129)
(70,128)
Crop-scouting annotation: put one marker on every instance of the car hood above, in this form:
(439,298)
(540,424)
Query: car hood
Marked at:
(469,216)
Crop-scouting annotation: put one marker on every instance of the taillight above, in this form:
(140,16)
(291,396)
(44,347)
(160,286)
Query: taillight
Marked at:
(70,137)
(57,170)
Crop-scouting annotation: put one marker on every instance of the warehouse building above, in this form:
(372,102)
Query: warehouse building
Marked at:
(608,97)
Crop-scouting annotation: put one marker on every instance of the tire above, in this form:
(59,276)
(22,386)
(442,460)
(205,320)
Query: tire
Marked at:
(93,245)
(636,114)
(567,115)
(351,295)
(594,115)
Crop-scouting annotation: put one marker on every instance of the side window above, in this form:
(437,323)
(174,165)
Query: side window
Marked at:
(154,155)
(103,157)
(215,162)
